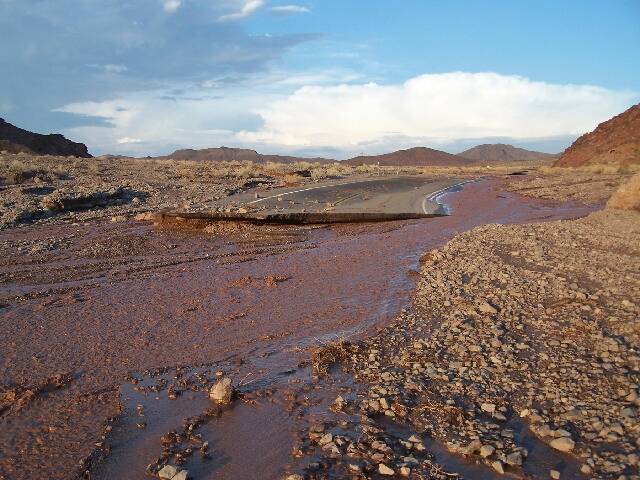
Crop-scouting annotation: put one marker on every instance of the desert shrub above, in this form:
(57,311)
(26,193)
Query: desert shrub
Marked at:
(16,172)
(292,179)
(325,357)
(627,197)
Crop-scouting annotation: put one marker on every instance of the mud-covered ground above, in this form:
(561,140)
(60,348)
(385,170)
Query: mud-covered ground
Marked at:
(520,352)
(112,332)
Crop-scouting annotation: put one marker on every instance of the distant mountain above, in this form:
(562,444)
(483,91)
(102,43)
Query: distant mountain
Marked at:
(17,140)
(417,156)
(616,141)
(499,152)
(228,154)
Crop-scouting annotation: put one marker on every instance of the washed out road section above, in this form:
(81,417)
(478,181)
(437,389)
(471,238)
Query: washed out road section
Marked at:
(368,199)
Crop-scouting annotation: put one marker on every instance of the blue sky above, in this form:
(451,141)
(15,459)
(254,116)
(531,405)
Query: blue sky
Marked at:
(322,77)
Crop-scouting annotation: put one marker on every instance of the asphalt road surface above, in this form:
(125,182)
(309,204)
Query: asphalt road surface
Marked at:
(362,199)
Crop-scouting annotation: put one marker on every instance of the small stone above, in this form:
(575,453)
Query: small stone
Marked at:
(325,439)
(405,471)
(563,444)
(384,470)
(294,476)
(485,307)
(514,459)
(555,474)
(222,391)
(168,472)
(497,466)
(182,475)
(488,407)
(144,217)
(487,451)
(586,469)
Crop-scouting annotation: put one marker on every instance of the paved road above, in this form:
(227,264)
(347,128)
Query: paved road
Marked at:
(347,200)
(375,195)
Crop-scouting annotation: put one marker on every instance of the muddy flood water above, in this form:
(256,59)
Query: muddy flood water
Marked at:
(113,332)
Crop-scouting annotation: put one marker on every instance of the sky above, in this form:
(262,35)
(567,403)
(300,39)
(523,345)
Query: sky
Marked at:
(317,77)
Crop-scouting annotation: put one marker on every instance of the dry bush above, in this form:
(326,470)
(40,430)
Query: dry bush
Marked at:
(273,168)
(325,357)
(292,180)
(16,172)
(627,197)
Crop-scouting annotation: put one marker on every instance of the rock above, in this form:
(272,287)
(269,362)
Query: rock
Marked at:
(182,475)
(168,472)
(586,469)
(118,218)
(514,459)
(294,476)
(554,474)
(384,470)
(488,407)
(144,217)
(485,307)
(222,391)
(497,466)
(487,450)
(405,471)
(472,448)
(563,444)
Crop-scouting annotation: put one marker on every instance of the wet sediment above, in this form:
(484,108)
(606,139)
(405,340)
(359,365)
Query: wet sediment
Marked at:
(253,306)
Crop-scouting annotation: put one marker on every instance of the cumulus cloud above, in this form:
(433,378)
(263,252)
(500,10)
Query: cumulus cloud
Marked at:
(434,108)
(172,5)
(450,111)
(289,9)
(247,8)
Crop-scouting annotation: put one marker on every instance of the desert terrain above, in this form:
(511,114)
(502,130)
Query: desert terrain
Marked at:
(153,326)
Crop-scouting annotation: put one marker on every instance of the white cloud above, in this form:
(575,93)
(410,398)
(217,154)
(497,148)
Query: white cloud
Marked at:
(127,140)
(247,8)
(308,112)
(434,108)
(287,9)
(172,5)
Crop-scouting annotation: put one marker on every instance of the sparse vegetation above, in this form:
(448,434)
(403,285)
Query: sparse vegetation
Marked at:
(627,197)
(329,354)
(14,172)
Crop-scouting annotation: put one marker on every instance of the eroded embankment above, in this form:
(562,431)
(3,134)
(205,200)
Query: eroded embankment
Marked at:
(101,301)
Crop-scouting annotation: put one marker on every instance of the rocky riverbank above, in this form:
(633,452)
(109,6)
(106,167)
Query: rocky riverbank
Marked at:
(520,352)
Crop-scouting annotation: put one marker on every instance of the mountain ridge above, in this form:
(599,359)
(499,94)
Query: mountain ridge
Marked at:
(18,140)
(615,141)
(503,153)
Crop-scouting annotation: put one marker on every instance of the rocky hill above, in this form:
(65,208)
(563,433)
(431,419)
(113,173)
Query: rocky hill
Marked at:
(616,141)
(228,154)
(500,152)
(418,156)
(17,140)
